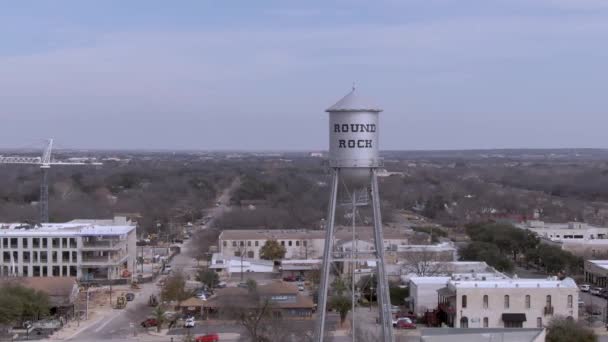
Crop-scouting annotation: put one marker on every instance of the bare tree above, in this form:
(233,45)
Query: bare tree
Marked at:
(423,263)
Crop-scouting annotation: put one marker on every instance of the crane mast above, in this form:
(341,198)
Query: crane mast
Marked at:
(45,163)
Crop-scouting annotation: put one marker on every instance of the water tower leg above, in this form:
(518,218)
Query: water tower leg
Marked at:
(384,299)
(327,259)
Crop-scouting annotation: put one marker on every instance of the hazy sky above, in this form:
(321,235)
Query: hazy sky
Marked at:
(259,74)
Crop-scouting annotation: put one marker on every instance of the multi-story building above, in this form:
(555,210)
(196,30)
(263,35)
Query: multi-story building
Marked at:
(507,303)
(86,251)
(578,238)
(298,243)
(596,272)
(565,231)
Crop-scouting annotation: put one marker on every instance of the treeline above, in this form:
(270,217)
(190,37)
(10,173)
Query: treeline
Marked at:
(503,246)
(286,198)
(162,191)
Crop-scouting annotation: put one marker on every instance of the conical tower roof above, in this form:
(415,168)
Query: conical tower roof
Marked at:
(354,102)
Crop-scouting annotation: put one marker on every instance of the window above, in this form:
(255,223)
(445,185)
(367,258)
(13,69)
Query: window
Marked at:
(72,243)
(548,301)
(74,257)
(24,242)
(225,243)
(26,256)
(464,301)
(569,301)
(539,322)
(44,242)
(485,301)
(64,243)
(73,271)
(36,242)
(257,243)
(14,242)
(250,254)
(54,256)
(65,257)
(233,243)
(298,243)
(485,322)
(5,242)
(289,243)
(304,243)
(242,243)
(506,301)
(6,257)
(248,243)
(43,256)
(55,242)
(26,271)
(282,243)
(237,253)
(527,301)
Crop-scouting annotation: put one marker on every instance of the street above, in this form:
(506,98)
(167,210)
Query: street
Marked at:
(125,323)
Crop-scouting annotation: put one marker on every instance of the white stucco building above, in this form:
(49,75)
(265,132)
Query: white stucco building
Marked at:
(299,243)
(507,303)
(87,251)
(565,231)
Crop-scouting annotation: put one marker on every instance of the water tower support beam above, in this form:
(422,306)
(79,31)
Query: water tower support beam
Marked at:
(384,299)
(327,258)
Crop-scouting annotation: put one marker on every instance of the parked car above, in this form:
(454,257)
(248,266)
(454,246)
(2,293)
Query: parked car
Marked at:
(189,322)
(300,278)
(289,278)
(300,288)
(585,287)
(395,309)
(243,285)
(221,285)
(130,296)
(403,323)
(604,293)
(150,322)
(202,295)
(208,338)
(595,291)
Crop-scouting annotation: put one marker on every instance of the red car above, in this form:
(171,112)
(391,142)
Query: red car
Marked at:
(150,322)
(404,323)
(208,338)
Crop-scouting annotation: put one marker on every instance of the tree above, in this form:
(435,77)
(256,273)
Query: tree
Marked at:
(159,315)
(342,305)
(174,288)
(563,329)
(208,277)
(339,286)
(272,250)
(18,303)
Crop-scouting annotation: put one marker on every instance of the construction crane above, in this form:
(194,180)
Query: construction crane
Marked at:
(45,163)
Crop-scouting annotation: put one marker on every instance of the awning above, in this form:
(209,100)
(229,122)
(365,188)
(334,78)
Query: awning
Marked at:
(513,317)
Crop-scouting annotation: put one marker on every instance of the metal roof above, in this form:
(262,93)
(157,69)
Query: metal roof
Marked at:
(353,102)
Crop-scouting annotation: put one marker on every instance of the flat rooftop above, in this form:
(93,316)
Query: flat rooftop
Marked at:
(342,233)
(600,263)
(513,283)
(61,229)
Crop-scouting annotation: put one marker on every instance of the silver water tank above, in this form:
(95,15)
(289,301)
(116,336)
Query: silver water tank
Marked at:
(353,138)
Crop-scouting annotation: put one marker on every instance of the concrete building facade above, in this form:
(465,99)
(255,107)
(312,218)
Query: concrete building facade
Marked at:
(86,251)
(509,303)
(298,243)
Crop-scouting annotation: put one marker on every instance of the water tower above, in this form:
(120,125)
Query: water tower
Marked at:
(354,160)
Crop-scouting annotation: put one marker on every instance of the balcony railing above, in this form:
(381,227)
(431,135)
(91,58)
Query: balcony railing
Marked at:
(97,245)
(548,310)
(103,260)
